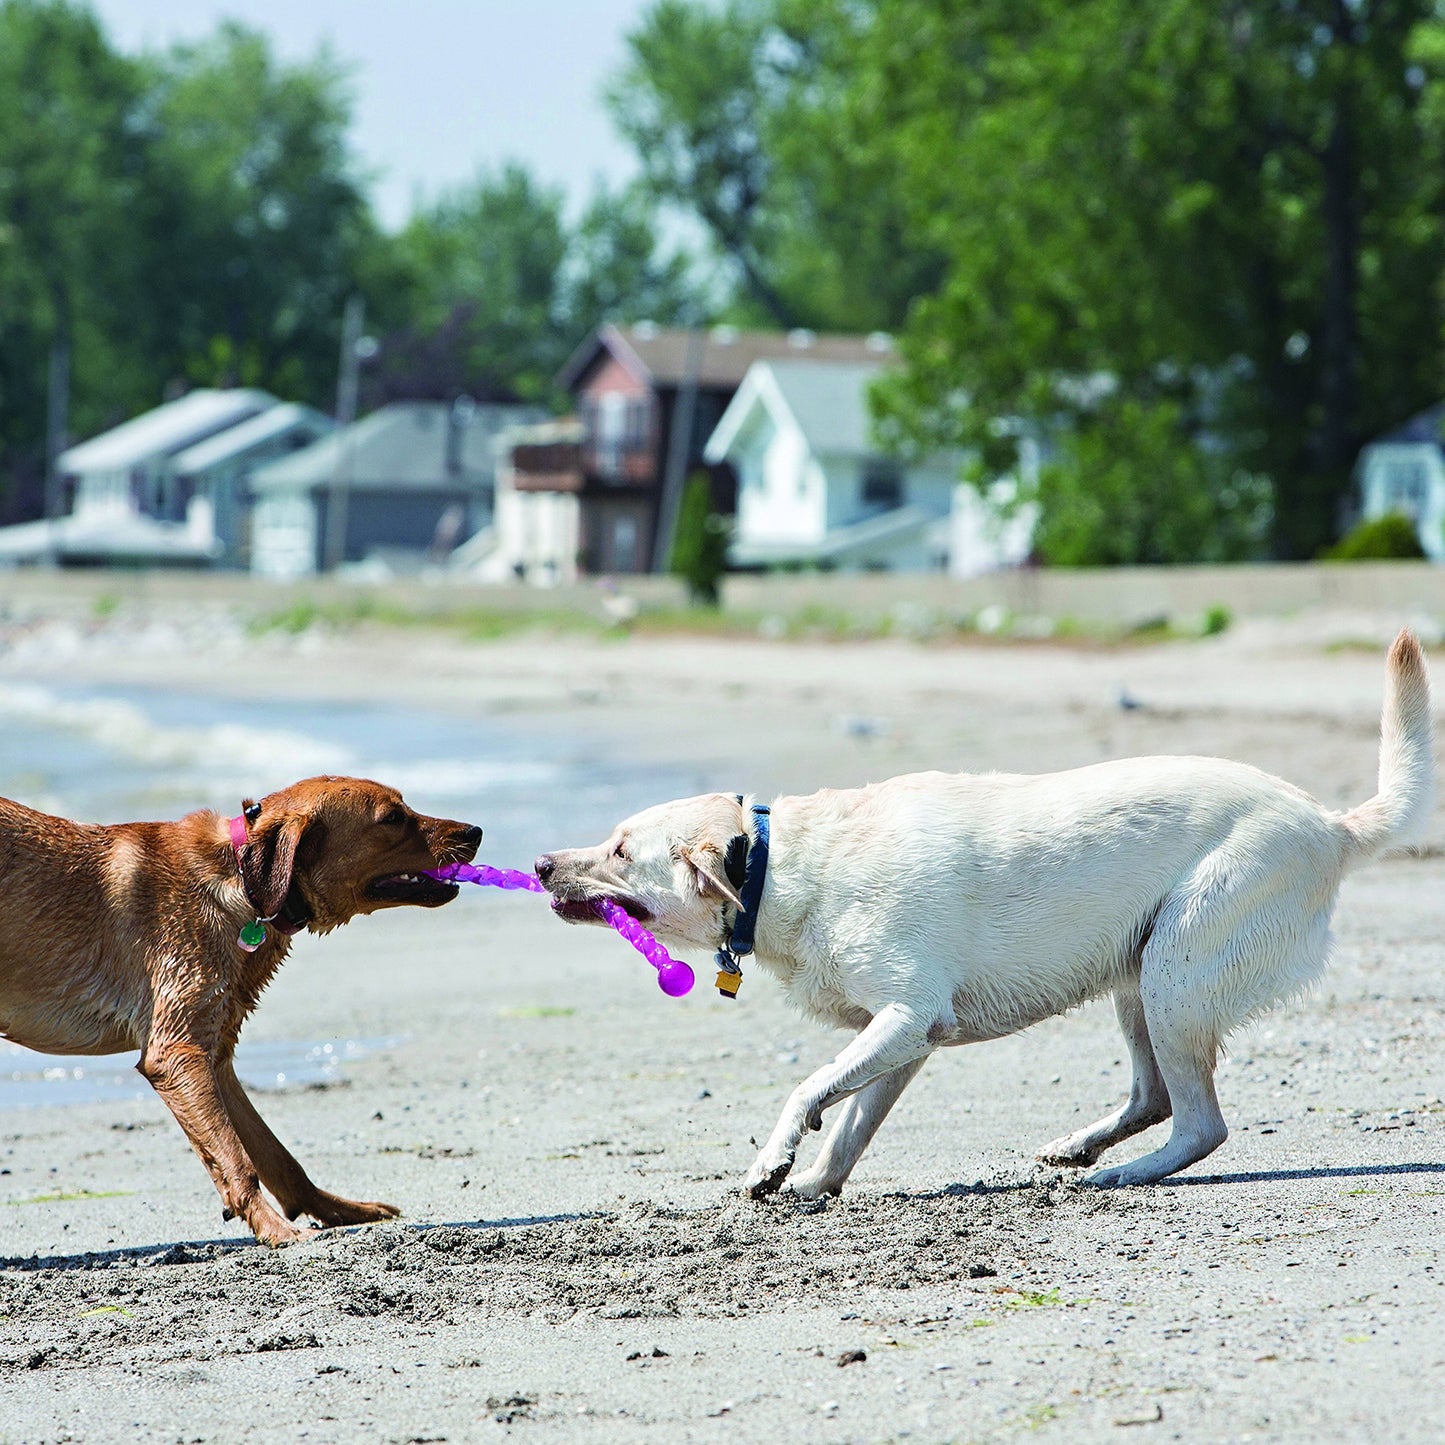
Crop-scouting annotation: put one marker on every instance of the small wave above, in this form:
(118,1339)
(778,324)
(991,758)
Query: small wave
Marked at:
(124,729)
(463,777)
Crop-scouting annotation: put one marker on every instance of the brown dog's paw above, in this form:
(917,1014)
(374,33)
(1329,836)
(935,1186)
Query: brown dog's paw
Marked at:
(330,1210)
(275,1232)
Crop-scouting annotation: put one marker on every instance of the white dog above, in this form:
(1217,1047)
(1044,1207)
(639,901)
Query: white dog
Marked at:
(938,909)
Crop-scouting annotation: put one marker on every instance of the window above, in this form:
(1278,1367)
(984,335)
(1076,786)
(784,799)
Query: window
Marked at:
(882,488)
(638,419)
(624,544)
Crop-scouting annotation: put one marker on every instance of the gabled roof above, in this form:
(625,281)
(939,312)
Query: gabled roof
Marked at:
(826,400)
(262,428)
(1428,426)
(842,544)
(660,355)
(165,430)
(399,447)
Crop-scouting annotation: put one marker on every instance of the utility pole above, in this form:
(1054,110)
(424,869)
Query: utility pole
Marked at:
(57,418)
(679,442)
(348,379)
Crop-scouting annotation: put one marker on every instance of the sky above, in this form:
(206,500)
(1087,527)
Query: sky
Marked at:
(442,87)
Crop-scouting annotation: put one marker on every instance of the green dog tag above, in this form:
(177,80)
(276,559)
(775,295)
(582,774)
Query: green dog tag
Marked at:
(253,935)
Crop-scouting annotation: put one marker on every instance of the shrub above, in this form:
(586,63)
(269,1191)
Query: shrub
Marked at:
(700,547)
(1390,538)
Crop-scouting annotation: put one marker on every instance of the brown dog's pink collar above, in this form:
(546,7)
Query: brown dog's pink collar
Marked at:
(253,935)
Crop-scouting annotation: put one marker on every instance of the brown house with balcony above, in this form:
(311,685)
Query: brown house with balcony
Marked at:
(647,399)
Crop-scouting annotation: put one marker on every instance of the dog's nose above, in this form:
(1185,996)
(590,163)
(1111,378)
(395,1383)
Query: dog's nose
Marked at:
(545,866)
(473,836)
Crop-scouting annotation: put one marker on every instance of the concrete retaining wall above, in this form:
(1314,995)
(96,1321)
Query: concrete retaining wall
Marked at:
(1121,596)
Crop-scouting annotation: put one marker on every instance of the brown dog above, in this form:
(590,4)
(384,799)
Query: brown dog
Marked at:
(128,936)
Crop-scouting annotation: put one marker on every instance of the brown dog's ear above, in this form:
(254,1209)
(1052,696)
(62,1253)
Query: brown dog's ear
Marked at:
(268,862)
(707,873)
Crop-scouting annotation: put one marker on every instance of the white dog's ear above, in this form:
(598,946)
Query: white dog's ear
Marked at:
(707,874)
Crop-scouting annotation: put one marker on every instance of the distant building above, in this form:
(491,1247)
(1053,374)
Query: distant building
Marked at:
(535,534)
(413,480)
(219,469)
(1404,471)
(129,503)
(813,489)
(647,399)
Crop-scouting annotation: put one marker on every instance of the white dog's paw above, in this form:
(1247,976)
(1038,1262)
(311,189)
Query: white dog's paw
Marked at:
(1070,1152)
(767,1174)
(1121,1176)
(812,1185)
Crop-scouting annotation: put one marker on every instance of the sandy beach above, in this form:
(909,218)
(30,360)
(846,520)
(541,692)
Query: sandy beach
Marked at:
(576,1263)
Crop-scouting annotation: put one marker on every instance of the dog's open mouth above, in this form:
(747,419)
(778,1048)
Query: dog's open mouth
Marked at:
(584,910)
(419,888)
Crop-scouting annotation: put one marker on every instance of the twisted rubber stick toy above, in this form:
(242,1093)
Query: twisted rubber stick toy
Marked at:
(488,877)
(674,977)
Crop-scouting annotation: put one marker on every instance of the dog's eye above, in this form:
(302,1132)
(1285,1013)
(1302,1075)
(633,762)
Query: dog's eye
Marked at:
(393,818)
(620,851)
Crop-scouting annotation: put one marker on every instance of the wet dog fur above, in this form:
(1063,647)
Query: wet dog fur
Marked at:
(125,937)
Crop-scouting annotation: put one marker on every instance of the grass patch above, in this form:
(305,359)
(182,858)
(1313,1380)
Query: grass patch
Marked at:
(1035,1299)
(105,1310)
(536,1011)
(75,1194)
(478,624)
(810,622)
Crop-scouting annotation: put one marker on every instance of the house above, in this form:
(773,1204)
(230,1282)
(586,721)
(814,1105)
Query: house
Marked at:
(218,469)
(128,503)
(535,532)
(1404,471)
(647,398)
(395,490)
(812,487)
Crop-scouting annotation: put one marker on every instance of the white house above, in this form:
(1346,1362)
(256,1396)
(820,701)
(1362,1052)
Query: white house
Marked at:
(218,469)
(129,503)
(536,530)
(1404,471)
(813,489)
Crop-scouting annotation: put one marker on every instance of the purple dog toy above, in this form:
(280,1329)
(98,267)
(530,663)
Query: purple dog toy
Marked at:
(674,977)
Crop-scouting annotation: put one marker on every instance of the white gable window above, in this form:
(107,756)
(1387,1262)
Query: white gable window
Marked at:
(1404,485)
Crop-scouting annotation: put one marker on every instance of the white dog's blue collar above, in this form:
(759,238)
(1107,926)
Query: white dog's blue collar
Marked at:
(738,939)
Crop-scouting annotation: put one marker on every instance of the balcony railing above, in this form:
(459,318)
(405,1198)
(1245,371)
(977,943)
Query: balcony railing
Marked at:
(548,467)
(570,466)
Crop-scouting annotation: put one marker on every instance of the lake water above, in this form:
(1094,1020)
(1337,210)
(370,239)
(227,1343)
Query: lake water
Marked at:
(115,754)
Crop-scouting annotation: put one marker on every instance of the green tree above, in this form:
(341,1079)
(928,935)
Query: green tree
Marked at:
(616,268)
(1232,213)
(1196,504)
(257,216)
(484,268)
(70,178)
(744,116)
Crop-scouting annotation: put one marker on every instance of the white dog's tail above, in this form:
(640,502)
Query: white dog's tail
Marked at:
(1407,776)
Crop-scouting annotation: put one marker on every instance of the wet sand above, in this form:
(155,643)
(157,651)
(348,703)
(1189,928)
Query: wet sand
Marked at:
(576,1263)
